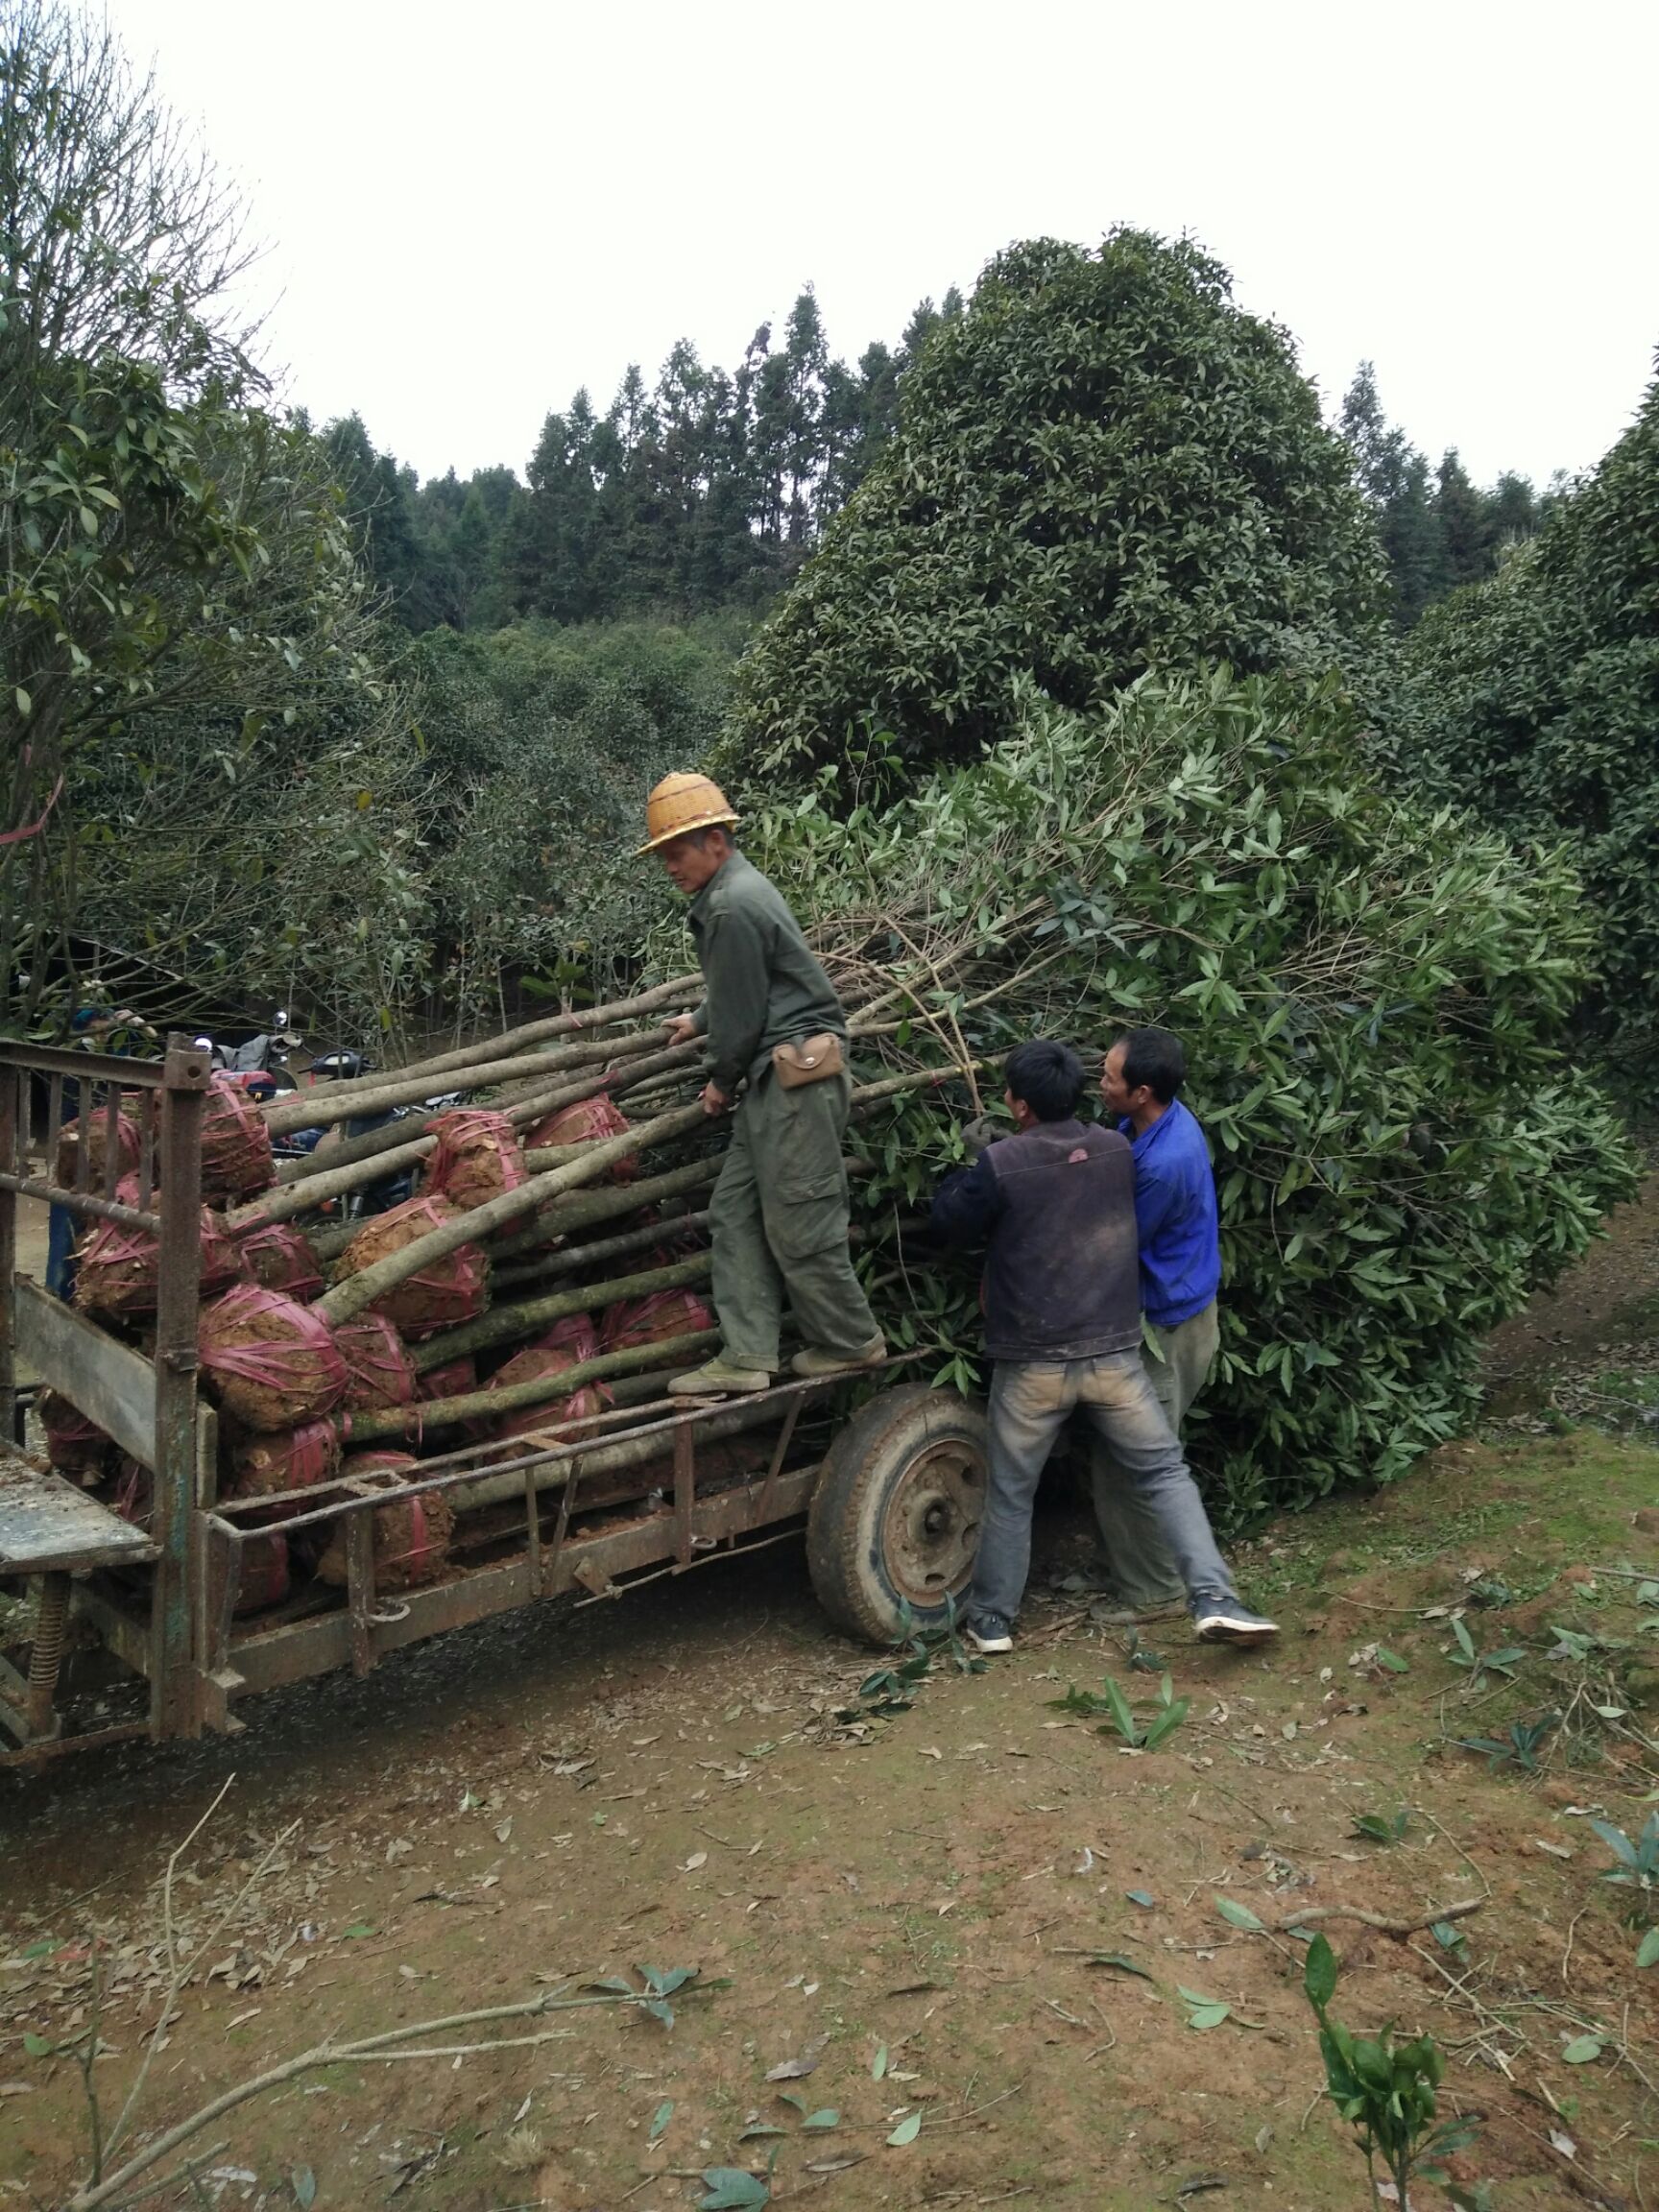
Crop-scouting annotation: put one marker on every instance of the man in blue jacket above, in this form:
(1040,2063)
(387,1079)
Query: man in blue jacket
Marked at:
(1180,1242)
(1054,1204)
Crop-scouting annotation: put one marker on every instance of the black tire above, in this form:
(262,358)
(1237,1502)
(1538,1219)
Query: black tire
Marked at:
(895,1516)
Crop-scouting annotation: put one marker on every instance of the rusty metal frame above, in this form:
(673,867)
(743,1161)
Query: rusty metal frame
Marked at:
(171,1094)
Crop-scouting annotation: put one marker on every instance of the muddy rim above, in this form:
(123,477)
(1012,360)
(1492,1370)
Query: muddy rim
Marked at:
(932,1524)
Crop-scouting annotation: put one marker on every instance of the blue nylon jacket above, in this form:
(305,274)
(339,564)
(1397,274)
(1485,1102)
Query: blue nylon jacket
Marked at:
(1175,1214)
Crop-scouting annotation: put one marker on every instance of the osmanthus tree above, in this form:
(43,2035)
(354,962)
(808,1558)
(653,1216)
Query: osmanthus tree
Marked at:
(1534,701)
(169,551)
(1102,466)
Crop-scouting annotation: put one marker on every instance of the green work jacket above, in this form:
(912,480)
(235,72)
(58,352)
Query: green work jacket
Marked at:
(762,984)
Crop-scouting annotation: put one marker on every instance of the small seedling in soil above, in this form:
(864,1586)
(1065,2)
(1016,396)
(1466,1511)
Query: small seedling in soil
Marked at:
(1139,1735)
(1478,1665)
(1636,1864)
(1379,1828)
(1519,1749)
(1385,2092)
(1142,1660)
(888,1691)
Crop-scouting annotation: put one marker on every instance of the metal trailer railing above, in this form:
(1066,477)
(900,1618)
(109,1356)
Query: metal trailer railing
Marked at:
(49,1531)
(618,1499)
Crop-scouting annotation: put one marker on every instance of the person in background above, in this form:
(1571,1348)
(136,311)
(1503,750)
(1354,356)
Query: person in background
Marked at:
(1180,1241)
(772,1022)
(92,1028)
(1054,1204)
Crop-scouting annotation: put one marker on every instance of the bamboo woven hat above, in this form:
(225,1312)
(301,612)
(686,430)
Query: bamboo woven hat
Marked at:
(684,803)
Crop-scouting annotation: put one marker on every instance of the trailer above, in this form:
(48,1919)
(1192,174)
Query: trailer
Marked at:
(883,1476)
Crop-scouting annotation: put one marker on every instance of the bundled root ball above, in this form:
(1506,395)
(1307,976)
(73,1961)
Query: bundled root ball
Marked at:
(118,1268)
(280,1258)
(590,1122)
(283,1460)
(236,1160)
(443,1293)
(379,1371)
(96,1130)
(74,1445)
(410,1535)
(477,1157)
(653,1320)
(265,1573)
(271,1362)
(568,1344)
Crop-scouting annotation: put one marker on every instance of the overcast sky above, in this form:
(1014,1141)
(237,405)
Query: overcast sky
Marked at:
(473,209)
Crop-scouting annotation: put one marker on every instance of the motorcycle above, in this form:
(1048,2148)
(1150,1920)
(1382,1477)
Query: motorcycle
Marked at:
(345,1066)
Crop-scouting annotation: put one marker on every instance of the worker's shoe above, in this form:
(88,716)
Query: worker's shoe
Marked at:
(991,1634)
(815,1362)
(718,1379)
(1232,1623)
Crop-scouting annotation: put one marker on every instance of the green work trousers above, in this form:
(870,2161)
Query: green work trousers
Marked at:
(779,1215)
(1142,1571)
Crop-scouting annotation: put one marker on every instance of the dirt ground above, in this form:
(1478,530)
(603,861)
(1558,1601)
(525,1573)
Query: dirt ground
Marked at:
(974,1935)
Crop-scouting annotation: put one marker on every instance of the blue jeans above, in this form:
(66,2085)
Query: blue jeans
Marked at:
(1029,1402)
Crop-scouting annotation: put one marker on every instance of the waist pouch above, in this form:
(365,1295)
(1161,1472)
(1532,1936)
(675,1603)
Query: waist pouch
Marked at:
(807,1060)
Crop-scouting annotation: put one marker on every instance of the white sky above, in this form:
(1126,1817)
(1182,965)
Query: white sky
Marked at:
(473,209)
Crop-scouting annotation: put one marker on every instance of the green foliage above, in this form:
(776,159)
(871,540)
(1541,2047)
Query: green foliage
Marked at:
(541,745)
(1384,2089)
(1381,1827)
(889,1688)
(1534,701)
(1635,1863)
(1101,466)
(1374,1001)
(1438,531)
(1477,1664)
(1518,1746)
(181,611)
(1140,1735)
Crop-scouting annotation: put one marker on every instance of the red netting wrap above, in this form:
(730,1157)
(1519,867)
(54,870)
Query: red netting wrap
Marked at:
(444,1293)
(117,1269)
(74,1445)
(476,1158)
(569,1343)
(127,1149)
(379,1371)
(587,1122)
(411,1537)
(271,1361)
(236,1144)
(264,1574)
(456,1378)
(284,1459)
(280,1258)
(653,1320)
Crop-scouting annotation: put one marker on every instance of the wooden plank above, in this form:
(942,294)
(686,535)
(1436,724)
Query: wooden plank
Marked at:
(107,1381)
(302,1648)
(48,1525)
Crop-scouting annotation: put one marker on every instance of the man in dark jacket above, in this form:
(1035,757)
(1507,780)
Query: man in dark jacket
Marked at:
(1055,1203)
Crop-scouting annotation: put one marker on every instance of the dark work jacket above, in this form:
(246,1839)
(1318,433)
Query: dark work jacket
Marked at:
(764,985)
(1056,1205)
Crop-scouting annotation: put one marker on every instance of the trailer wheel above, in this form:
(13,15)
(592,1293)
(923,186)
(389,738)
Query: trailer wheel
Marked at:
(895,1516)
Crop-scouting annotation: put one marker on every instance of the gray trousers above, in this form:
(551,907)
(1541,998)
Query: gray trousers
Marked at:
(1143,1569)
(1029,1402)
(779,1216)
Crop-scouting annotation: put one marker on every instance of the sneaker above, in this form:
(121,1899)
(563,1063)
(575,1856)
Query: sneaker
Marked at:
(718,1379)
(1232,1623)
(991,1634)
(1110,1612)
(815,1362)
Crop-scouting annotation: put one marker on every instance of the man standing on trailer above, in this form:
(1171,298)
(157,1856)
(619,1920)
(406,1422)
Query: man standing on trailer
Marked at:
(772,1022)
(1180,1240)
(1055,1206)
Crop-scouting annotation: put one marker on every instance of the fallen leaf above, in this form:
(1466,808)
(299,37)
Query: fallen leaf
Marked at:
(1563,2143)
(1121,1960)
(798,2068)
(696,1860)
(878,2064)
(907,2129)
(304,2183)
(663,2113)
